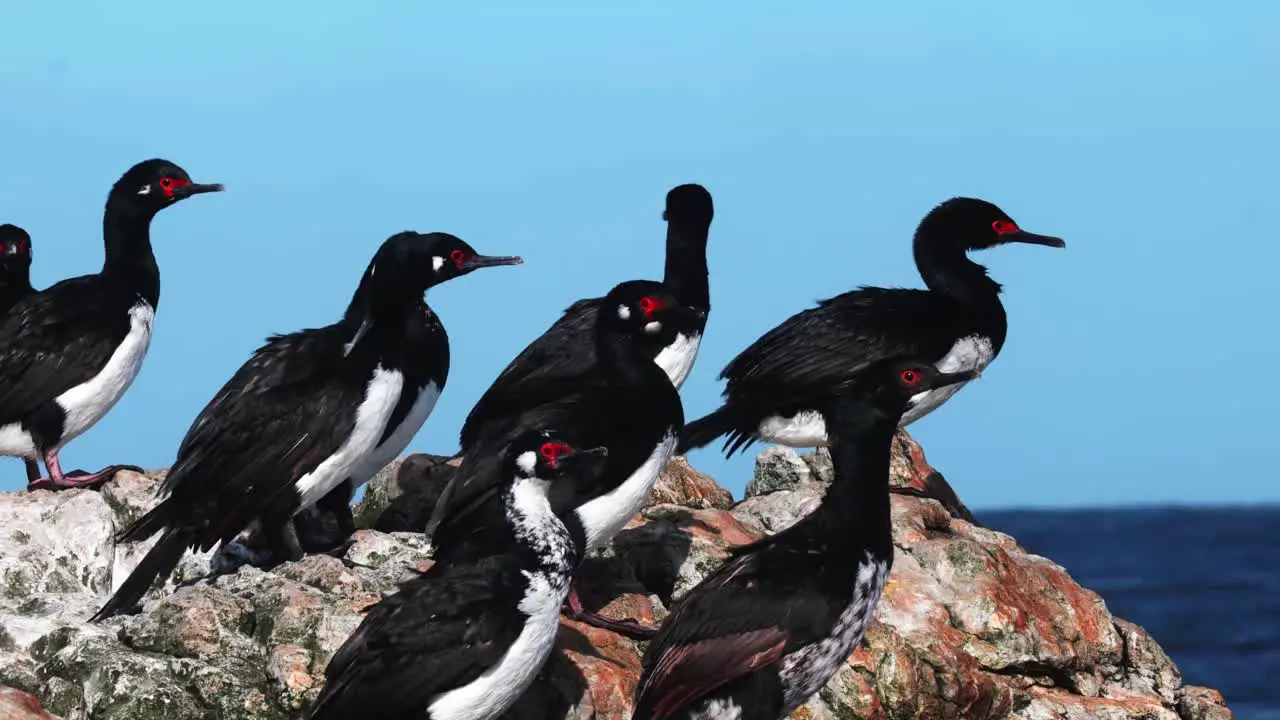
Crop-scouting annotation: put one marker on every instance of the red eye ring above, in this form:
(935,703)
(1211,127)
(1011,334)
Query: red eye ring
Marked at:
(552,451)
(166,182)
(1004,227)
(648,305)
(909,377)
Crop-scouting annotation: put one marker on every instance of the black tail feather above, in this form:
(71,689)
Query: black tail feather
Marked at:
(159,562)
(702,431)
(145,526)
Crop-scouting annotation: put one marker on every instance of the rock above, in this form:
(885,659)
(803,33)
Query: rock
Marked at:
(779,468)
(401,497)
(680,484)
(1201,703)
(17,705)
(970,626)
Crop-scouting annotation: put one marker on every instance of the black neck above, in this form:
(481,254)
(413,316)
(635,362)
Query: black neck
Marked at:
(856,507)
(129,259)
(947,270)
(377,314)
(686,271)
(622,358)
(13,289)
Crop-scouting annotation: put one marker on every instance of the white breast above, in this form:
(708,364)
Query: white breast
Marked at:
(87,403)
(717,709)
(604,516)
(500,686)
(806,428)
(969,353)
(380,398)
(676,359)
(807,670)
(399,438)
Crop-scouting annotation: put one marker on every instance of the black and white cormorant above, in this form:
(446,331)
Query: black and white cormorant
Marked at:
(774,385)
(464,640)
(68,353)
(15,266)
(624,402)
(301,416)
(426,369)
(565,349)
(769,628)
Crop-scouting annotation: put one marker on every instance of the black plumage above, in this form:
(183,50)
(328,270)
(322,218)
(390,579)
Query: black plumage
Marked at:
(772,388)
(566,349)
(297,418)
(463,640)
(769,628)
(624,403)
(15,266)
(69,352)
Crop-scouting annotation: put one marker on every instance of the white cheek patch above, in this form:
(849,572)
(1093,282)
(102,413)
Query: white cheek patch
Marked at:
(527,461)
(145,190)
(437,262)
(624,312)
(653,328)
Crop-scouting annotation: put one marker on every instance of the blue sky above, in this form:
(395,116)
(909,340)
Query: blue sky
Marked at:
(1138,362)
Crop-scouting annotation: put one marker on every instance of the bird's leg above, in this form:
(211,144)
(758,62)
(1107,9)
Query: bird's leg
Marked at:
(75,479)
(282,539)
(626,628)
(33,470)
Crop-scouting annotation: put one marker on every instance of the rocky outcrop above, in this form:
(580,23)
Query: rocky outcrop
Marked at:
(971,625)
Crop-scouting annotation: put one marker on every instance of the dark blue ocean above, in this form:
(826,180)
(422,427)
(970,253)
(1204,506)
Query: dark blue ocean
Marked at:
(1204,582)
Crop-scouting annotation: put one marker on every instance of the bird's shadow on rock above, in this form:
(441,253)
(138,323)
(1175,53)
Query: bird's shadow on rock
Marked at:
(560,685)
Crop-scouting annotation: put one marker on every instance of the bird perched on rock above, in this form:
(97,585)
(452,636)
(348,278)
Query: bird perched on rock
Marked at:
(68,353)
(768,629)
(773,388)
(303,415)
(623,402)
(463,640)
(566,348)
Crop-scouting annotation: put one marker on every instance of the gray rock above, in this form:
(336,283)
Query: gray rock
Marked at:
(778,468)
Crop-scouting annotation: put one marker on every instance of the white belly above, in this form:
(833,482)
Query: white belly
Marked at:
(807,428)
(16,442)
(399,438)
(970,353)
(500,686)
(676,359)
(604,516)
(380,398)
(805,671)
(87,403)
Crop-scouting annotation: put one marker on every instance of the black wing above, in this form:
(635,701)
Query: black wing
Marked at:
(730,625)
(439,632)
(825,347)
(54,340)
(284,412)
(566,349)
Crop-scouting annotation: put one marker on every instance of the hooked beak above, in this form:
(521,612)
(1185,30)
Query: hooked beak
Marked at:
(945,379)
(475,262)
(592,458)
(1021,236)
(195,189)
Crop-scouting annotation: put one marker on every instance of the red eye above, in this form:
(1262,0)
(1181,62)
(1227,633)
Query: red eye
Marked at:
(457,256)
(166,182)
(169,184)
(551,451)
(648,305)
(1003,227)
(910,377)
